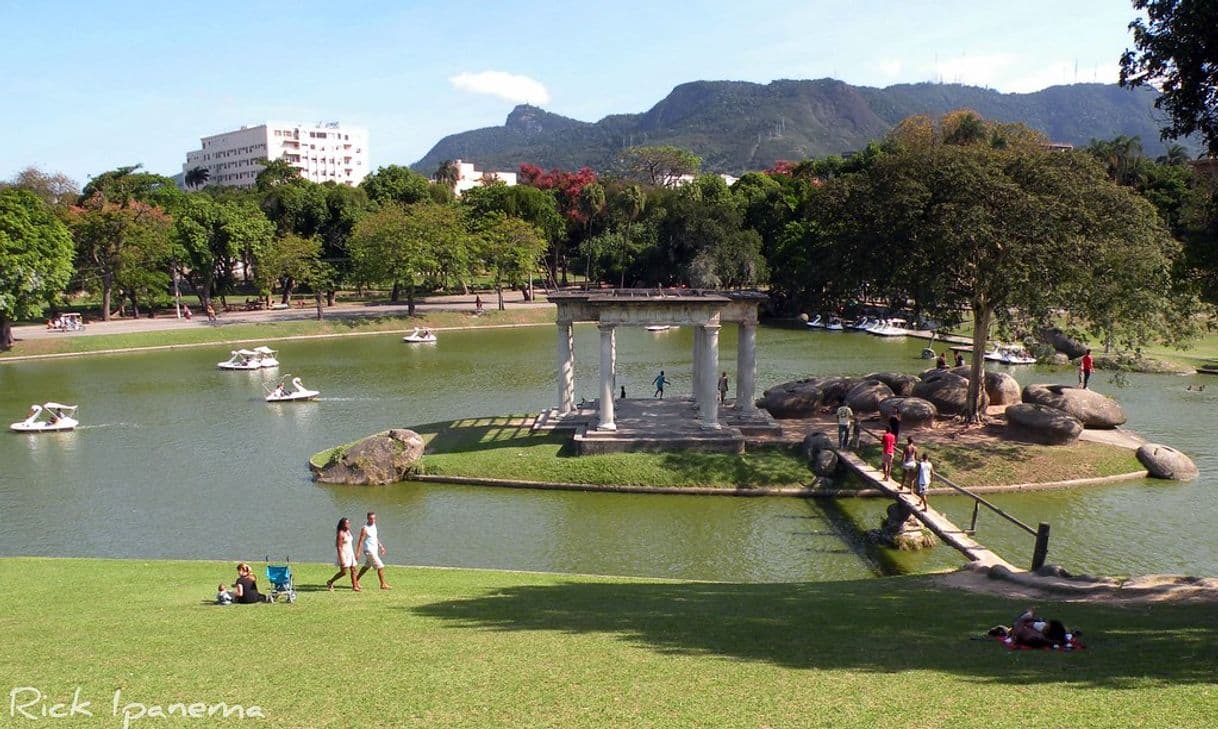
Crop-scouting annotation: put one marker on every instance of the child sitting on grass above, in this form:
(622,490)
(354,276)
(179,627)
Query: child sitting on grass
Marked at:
(223,596)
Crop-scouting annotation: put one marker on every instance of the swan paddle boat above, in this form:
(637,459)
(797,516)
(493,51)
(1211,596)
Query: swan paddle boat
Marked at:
(835,325)
(816,323)
(59,417)
(250,359)
(420,336)
(289,391)
(890,328)
(1010,354)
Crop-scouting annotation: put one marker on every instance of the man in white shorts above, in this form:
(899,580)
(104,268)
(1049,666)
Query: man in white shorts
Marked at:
(370,545)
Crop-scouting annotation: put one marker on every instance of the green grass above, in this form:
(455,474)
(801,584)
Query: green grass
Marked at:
(271,330)
(461,648)
(1002,463)
(504,447)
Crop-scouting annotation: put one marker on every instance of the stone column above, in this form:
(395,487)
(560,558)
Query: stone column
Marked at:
(613,358)
(566,367)
(606,401)
(746,367)
(708,399)
(695,380)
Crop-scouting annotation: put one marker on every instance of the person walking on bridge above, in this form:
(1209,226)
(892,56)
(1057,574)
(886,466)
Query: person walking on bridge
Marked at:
(889,441)
(845,416)
(926,472)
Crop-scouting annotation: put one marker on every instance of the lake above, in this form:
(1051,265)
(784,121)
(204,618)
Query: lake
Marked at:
(176,459)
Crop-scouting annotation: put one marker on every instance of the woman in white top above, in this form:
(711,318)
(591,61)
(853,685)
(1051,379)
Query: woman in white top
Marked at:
(346,555)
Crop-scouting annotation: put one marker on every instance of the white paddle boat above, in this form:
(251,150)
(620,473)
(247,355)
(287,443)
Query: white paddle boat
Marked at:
(289,391)
(59,417)
(420,336)
(250,359)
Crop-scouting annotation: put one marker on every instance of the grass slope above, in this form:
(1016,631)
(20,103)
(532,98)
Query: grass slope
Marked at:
(1005,463)
(504,447)
(461,648)
(271,330)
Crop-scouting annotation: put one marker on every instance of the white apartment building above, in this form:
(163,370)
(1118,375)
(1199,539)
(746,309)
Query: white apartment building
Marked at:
(322,152)
(468,177)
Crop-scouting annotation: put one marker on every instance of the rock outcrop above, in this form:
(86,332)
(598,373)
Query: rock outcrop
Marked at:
(1091,408)
(948,392)
(1165,462)
(915,412)
(1060,341)
(866,396)
(902,530)
(1042,424)
(795,399)
(378,459)
(901,384)
(1000,388)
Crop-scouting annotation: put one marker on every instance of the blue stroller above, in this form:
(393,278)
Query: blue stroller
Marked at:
(279,577)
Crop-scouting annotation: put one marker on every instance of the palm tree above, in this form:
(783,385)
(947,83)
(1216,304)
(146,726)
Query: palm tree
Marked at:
(448,174)
(197,177)
(1176,155)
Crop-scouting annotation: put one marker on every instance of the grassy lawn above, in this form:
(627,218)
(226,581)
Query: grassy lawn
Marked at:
(266,331)
(504,447)
(462,648)
(1002,463)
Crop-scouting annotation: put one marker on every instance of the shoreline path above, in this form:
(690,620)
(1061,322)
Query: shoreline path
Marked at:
(127,325)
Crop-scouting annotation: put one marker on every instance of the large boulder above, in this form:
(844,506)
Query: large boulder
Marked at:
(901,384)
(915,412)
(1060,341)
(1091,408)
(948,392)
(1041,424)
(935,373)
(814,443)
(825,463)
(834,389)
(378,459)
(1001,388)
(866,396)
(797,399)
(1165,462)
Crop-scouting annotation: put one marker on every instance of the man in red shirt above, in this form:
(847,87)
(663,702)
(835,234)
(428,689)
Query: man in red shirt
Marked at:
(889,441)
(1086,365)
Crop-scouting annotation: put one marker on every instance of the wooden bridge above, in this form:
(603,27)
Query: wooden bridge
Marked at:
(933,520)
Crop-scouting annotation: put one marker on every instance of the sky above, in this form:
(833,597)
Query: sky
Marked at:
(89,86)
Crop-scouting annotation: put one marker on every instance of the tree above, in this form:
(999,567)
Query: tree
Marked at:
(395,183)
(399,246)
(658,166)
(35,258)
(1011,236)
(447,174)
(289,260)
(126,184)
(1177,52)
(276,173)
(56,189)
(511,249)
(197,177)
(213,235)
(113,240)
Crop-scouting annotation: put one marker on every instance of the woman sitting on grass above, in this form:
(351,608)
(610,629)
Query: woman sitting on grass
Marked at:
(245,590)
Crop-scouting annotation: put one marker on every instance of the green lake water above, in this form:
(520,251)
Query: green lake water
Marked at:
(176,459)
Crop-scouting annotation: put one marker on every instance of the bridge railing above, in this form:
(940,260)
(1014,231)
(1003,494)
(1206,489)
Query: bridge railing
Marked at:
(1041,549)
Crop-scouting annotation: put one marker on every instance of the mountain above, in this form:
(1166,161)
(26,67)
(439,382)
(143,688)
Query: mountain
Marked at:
(736,126)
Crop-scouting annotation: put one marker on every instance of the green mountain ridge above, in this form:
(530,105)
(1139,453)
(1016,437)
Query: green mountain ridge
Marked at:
(737,126)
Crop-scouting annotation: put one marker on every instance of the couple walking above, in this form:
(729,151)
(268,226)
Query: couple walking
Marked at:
(918,472)
(369,544)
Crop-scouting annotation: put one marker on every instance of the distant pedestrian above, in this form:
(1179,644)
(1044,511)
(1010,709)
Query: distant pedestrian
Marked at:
(959,359)
(889,444)
(844,417)
(478,303)
(660,382)
(926,472)
(211,313)
(186,312)
(1085,367)
(894,423)
(371,546)
(623,392)
(941,362)
(723,387)
(909,464)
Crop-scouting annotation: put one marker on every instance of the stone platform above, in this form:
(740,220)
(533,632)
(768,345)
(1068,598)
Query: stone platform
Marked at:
(658,425)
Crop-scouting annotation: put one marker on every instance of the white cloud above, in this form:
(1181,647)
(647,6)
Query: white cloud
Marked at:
(1009,73)
(507,86)
(889,67)
(987,69)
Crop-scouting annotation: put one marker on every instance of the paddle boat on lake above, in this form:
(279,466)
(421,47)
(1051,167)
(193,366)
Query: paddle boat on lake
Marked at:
(59,418)
(250,359)
(1010,354)
(289,391)
(420,336)
(658,327)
